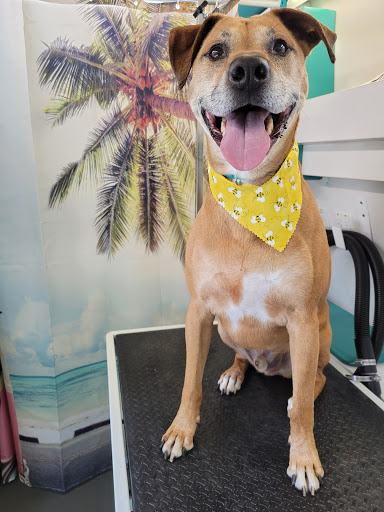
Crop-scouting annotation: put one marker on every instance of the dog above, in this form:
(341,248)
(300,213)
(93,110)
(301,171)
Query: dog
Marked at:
(248,84)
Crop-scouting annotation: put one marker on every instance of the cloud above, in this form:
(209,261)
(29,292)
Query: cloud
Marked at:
(28,347)
(77,343)
(27,343)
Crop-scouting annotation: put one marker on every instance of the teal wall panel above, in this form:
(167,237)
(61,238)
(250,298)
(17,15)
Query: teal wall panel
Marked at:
(321,71)
(321,74)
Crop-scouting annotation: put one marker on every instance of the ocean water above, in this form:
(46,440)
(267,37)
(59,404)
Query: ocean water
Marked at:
(74,394)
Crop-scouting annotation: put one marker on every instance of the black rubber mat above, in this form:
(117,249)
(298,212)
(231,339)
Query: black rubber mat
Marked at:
(241,453)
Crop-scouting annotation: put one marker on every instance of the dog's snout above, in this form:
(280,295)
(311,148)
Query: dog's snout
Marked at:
(261,71)
(248,71)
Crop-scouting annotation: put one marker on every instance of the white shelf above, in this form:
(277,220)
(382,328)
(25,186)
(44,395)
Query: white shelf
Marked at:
(343,134)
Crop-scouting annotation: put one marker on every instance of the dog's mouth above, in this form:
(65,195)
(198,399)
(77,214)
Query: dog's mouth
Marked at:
(246,134)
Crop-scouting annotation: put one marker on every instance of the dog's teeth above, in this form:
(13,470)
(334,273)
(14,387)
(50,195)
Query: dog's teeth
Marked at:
(223,126)
(211,118)
(269,124)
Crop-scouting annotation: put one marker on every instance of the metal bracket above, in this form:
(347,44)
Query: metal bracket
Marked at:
(365,362)
(364,378)
(200,9)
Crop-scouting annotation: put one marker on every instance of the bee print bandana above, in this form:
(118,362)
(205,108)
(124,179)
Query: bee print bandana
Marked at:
(271,211)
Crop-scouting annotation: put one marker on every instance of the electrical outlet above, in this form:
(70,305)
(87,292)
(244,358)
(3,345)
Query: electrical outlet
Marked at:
(348,221)
(338,219)
(344,220)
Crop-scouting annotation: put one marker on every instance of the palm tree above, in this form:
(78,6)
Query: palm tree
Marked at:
(141,156)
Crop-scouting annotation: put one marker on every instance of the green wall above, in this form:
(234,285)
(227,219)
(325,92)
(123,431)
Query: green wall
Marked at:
(321,71)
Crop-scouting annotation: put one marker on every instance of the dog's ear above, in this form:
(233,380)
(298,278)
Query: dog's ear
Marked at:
(307,30)
(184,44)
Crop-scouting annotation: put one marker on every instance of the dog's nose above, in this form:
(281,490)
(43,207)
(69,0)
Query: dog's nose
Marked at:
(248,71)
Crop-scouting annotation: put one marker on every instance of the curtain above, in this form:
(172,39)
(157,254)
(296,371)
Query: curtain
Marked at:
(10,453)
(97,192)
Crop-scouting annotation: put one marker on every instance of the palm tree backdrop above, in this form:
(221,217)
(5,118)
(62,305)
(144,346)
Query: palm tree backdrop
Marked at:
(141,156)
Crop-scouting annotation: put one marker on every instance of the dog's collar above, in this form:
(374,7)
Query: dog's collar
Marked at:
(271,211)
(236,179)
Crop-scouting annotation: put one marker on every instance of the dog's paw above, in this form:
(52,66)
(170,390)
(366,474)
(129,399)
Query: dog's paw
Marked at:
(305,470)
(177,440)
(230,383)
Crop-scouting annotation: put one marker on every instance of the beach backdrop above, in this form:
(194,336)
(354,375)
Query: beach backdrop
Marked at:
(98,219)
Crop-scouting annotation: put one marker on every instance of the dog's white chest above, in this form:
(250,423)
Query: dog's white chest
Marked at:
(256,287)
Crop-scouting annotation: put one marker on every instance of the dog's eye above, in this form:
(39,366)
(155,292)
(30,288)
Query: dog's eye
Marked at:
(216,52)
(280,47)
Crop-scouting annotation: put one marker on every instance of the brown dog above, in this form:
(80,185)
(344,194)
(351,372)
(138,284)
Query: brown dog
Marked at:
(271,305)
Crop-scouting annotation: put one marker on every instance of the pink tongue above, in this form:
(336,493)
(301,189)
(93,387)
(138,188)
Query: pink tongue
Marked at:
(245,142)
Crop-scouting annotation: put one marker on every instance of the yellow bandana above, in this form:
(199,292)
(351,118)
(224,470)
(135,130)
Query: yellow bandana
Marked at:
(271,211)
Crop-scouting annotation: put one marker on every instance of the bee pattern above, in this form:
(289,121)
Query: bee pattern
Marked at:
(293,183)
(288,163)
(295,207)
(258,218)
(260,194)
(270,238)
(279,204)
(220,199)
(214,179)
(236,212)
(279,181)
(287,225)
(234,191)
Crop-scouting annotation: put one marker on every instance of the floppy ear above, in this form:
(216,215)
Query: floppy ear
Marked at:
(307,30)
(184,44)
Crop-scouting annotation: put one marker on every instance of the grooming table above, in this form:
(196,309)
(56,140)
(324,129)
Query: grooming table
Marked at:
(241,453)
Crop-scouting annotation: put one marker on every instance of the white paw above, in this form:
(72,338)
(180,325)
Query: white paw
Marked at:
(228,384)
(176,445)
(304,479)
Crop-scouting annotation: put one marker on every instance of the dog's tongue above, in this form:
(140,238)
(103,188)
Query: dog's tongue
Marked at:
(245,142)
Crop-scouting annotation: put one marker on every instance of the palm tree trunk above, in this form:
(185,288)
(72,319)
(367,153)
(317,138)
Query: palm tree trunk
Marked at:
(171,106)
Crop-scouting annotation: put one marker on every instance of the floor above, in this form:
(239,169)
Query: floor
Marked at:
(95,495)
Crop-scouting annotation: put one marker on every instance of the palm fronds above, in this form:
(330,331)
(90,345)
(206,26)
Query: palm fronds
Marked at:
(154,40)
(70,71)
(115,214)
(179,211)
(141,155)
(100,150)
(121,3)
(113,35)
(179,140)
(180,215)
(152,221)
(59,109)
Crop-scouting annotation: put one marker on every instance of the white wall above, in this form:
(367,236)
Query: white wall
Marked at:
(359,27)
(359,58)
(345,195)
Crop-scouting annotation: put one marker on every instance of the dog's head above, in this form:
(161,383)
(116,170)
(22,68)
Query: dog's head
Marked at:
(248,83)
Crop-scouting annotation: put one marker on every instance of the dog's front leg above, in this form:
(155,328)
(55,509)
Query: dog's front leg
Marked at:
(198,333)
(304,463)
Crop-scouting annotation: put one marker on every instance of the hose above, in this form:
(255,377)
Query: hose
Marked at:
(363,342)
(377,267)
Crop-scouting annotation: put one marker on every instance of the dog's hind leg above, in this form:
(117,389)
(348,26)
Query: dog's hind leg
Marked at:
(231,380)
(325,335)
